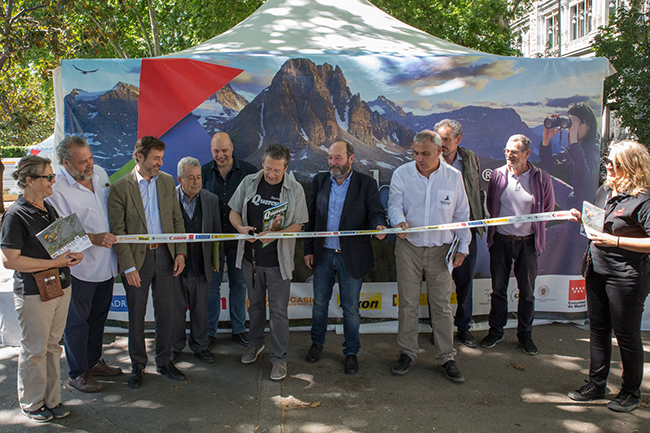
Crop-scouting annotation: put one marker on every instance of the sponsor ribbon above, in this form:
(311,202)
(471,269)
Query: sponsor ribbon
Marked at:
(205,237)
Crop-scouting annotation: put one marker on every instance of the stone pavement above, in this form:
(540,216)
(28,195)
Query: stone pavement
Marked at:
(505,391)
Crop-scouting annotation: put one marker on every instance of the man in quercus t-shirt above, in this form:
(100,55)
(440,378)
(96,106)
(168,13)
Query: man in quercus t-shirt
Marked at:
(268,263)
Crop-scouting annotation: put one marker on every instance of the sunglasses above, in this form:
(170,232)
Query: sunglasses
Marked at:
(49,177)
(607,161)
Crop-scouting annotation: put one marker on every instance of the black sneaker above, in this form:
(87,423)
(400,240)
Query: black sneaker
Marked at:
(490,340)
(466,337)
(39,415)
(590,391)
(402,365)
(452,372)
(314,353)
(624,402)
(527,346)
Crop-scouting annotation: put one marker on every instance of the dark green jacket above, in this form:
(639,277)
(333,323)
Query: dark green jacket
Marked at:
(472,181)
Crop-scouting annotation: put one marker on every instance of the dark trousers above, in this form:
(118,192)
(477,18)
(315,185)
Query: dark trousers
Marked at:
(463,277)
(157,272)
(503,252)
(84,328)
(195,296)
(616,303)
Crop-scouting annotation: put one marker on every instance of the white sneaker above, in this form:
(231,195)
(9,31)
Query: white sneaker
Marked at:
(279,370)
(251,354)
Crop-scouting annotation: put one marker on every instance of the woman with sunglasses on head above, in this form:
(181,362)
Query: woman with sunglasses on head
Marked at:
(41,321)
(616,269)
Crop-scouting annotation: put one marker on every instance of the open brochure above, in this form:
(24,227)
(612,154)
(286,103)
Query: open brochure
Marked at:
(63,235)
(274,219)
(593,218)
(449,258)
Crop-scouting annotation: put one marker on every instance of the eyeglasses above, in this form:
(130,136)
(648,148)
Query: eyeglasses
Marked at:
(607,161)
(49,177)
(274,171)
(512,152)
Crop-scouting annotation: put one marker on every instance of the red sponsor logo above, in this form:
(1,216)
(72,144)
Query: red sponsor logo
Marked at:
(178,238)
(191,236)
(577,290)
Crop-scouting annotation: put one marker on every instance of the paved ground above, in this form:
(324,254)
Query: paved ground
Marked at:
(505,391)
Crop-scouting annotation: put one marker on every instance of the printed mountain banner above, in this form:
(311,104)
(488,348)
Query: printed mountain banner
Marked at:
(274,219)
(63,235)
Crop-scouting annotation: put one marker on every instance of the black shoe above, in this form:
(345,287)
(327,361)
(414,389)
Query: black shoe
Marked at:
(314,353)
(466,338)
(452,372)
(590,391)
(39,415)
(205,356)
(402,365)
(527,346)
(137,374)
(624,402)
(351,364)
(174,356)
(171,371)
(211,342)
(241,338)
(432,340)
(490,340)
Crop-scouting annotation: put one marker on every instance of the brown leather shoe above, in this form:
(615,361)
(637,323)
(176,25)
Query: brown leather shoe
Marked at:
(103,369)
(85,383)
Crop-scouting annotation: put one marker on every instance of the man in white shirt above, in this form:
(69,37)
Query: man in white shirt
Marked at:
(82,188)
(427,192)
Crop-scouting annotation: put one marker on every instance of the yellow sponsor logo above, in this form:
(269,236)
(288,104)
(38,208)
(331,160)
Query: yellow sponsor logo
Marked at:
(143,238)
(367,301)
(296,301)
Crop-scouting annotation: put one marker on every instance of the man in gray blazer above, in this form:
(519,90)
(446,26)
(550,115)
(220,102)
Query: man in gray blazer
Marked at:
(144,202)
(200,209)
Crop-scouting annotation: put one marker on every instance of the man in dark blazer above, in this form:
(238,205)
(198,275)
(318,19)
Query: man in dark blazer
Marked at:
(200,209)
(342,199)
(144,202)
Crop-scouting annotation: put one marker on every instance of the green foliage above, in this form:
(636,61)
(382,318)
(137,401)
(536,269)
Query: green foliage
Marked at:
(626,43)
(483,25)
(12,151)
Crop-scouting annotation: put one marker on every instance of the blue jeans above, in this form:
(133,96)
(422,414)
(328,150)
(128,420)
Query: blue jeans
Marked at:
(84,329)
(330,266)
(237,296)
(464,279)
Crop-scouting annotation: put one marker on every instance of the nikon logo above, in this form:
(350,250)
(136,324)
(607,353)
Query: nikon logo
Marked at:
(143,238)
(367,301)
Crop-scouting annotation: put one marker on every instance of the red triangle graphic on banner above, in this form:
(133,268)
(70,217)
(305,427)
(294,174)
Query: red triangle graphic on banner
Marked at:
(171,88)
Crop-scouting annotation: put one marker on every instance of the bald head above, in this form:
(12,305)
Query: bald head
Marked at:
(221,148)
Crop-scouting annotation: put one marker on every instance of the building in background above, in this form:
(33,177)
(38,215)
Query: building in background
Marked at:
(562,28)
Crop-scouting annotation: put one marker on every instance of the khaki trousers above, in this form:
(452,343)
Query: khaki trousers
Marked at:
(39,372)
(412,263)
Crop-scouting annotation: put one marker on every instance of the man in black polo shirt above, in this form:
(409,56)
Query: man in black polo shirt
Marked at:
(200,209)
(222,176)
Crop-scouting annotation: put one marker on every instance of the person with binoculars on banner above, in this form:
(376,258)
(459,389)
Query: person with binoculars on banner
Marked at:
(580,158)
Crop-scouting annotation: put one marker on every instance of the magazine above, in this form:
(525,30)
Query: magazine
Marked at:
(63,235)
(593,218)
(274,219)
(451,254)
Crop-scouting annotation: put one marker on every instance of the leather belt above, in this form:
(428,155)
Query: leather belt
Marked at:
(153,246)
(334,249)
(516,238)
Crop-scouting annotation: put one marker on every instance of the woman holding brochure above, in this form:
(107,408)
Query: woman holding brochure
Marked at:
(616,269)
(41,290)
